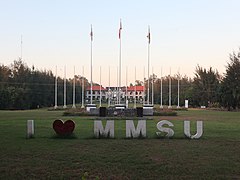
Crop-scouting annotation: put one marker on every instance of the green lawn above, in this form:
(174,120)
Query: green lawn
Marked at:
(215,156)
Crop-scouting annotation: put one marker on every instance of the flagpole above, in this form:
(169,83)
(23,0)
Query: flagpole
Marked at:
(143,85)
(170,91)
(55,107)
(100,104)
(161,106)
(82,87)
(148,63)
(117,87)
(126,85)
(64,98)
(74,106)
(178,88)
(135,90)
(120,63)
(91,65)
(109,86)
(152,87)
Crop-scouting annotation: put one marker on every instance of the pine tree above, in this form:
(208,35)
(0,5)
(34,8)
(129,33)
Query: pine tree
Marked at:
(230,88)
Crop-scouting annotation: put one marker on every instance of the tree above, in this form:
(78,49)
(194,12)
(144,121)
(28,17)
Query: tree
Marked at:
(230,88)
(205,87)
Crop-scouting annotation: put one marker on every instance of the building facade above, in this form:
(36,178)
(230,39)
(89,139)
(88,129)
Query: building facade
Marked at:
(113,93)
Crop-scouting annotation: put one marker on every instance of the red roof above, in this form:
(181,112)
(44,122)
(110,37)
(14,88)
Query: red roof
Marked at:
(96,88)
(138,88)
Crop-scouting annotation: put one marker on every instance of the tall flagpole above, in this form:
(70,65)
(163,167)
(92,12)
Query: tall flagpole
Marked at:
(143,85)
(126,85)
(82,87)
(170,91)
(178,88)
(161,106)
(109,86)
(91,34)
(55,107)
(100,103)
(135,90)
(74,89)
(152,87)
(148,36)
(117,87)
(120,63)
(65,89)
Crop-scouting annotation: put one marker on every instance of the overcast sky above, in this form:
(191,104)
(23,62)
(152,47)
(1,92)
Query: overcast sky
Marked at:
(57,32)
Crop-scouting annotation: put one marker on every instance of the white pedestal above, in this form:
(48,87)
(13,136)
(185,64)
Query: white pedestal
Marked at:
(30,128)
(90,106)
(120,106)
(148,110)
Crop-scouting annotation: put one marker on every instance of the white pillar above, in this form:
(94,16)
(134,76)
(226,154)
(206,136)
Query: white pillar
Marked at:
(65,90)
(82,87)
(170,91)
(30,128)
(178,92)
(109,87)
(126,96)
(152,87)
(117,88)
(161,105)
(135,90)
(143,86)
(100,103)
(74,89)
(55,107)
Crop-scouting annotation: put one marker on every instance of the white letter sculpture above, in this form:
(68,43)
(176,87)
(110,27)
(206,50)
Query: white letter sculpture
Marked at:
(99,131)
(169,131)
(187,131)
(132,132)
(30,128)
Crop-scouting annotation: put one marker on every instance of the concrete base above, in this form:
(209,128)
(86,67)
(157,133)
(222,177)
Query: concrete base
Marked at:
(90,106)
(147,110)
(120,106)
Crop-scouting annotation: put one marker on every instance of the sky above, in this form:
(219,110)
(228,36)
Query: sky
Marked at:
(184,34)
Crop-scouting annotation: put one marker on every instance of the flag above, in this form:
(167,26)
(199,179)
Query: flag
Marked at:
(120,29)
(148,36)
(91,34)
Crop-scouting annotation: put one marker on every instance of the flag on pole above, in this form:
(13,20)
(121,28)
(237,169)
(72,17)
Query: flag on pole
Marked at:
(91,34)
(148,36)
(120,29)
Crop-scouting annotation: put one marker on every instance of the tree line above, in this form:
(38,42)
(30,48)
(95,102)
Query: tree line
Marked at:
(22,87)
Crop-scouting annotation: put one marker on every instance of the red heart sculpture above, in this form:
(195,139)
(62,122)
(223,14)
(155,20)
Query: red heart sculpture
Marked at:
(63,128)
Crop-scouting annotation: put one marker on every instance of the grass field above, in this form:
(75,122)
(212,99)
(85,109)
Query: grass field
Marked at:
(215,156)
